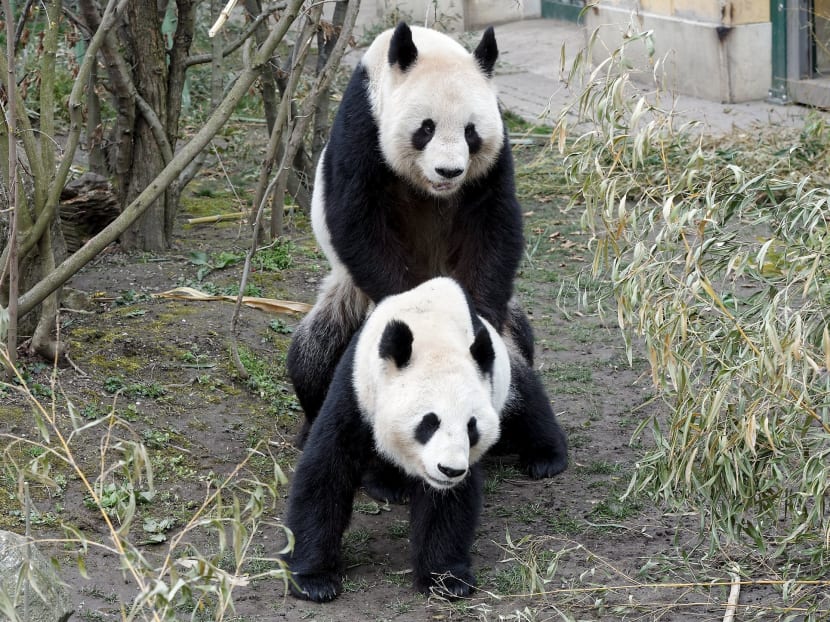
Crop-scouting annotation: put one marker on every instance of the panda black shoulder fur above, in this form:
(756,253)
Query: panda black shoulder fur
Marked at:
(421,386)
(416,182)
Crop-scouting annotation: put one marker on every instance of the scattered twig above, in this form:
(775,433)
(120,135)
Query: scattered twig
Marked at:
(77,369)
(217,218)
(734,594)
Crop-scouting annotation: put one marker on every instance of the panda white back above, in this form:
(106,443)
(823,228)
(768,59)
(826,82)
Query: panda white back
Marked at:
(432,399)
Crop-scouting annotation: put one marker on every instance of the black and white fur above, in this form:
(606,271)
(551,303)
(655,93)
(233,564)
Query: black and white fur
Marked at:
(420,388)
(417,182)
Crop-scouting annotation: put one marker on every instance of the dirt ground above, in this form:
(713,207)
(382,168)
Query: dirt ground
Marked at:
(564,548)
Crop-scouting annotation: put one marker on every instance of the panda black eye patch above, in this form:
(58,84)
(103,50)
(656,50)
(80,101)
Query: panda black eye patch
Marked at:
(472,431)
(422,136)
(473,139)
(428,426)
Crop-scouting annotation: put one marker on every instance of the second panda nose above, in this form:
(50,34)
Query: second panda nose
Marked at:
(449,173)
(451,472)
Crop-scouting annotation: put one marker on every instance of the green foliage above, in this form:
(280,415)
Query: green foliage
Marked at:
(264,379)
(717,257)
(114,384)
(208,264)
(117,485)
(275,258)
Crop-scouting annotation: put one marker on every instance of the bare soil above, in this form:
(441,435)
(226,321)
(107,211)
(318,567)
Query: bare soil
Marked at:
(164,366)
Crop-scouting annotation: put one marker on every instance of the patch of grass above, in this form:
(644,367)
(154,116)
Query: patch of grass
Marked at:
(355,546)
(265,380)
(575,373)
(153,390)
(497,473)
(601,467)
(562,522)
(398,530)
(275,258)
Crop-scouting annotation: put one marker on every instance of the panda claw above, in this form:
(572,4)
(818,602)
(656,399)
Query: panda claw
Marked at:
(320,588)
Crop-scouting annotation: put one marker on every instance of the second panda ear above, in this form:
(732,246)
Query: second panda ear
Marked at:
(482,351)
(396,343)
(402,50)
(487,52)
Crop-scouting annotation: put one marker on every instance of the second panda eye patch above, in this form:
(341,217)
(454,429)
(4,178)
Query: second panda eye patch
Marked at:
(428,426)
(422,136)
(472,431)
(473,139)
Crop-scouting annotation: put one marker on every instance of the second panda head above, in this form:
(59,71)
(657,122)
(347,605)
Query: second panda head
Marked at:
(435,415)
(436,107)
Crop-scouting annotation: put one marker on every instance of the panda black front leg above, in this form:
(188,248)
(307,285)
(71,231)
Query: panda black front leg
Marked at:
(322,494)
(442,530)
(529,426)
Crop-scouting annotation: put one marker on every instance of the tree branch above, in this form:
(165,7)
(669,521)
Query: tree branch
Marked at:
(203,59)
(45,217)
(168,175)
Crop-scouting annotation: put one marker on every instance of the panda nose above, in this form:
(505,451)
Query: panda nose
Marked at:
(451,472)
(449,173)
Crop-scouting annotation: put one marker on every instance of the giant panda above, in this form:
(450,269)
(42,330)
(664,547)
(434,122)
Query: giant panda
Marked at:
(416,182)
(421,387)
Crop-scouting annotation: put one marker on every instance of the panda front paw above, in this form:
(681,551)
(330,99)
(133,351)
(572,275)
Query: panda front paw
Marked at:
(542,466)
(321,588)
(447,585)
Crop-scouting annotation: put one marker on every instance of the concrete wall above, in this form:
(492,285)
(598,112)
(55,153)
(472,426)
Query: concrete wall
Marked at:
(451,15)
(726,12)
(728,61)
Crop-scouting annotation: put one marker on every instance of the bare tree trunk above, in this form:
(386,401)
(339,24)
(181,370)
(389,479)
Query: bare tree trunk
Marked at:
(11,266)
(42,341)
(149,63)
(94,133)
(121,139)
(326,38)
(267,82)
(182,40)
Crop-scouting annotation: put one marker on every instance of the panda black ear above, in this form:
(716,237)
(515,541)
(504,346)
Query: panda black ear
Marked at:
(396,343)
(487,52)
(482,351)
(402,50)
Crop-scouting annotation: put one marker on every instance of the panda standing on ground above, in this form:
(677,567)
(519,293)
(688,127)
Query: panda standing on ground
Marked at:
(417,182)
(421,386)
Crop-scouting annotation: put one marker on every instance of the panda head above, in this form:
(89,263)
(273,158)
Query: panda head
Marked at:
(436,107)
(435,413)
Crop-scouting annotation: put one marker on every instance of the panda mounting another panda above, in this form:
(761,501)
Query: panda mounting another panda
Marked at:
(417,182)
(421,388)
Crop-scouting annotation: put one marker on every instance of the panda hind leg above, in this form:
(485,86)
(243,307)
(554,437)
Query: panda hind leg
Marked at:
(320,340)
(529,426)
(385,482)
(442,531)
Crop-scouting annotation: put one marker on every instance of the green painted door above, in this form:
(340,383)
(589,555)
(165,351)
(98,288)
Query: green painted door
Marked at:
(562,9)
